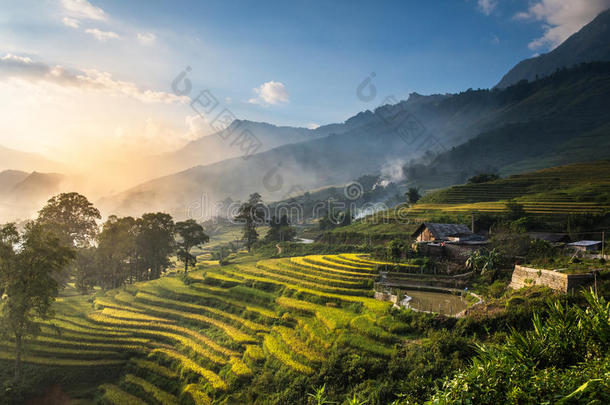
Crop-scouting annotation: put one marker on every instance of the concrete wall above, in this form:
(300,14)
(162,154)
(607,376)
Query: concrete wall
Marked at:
(526,276)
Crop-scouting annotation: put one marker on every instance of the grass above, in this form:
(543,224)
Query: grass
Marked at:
(275,349)
(187,364)
(296,344)
(158,394)
(115,396)
(199,396)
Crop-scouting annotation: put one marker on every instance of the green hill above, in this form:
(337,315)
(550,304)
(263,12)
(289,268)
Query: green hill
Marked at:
(551,194)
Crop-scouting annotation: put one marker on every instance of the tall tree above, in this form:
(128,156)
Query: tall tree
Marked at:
(251,214)
(116,255)
(191,234)
(413,195)
(27,265)
(280,230)
(72,218)
(155,241)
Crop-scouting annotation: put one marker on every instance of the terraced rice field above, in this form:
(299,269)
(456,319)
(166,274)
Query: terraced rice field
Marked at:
(574,189)
(194,342)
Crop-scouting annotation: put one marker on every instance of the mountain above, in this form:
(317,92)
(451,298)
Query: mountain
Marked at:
(10,178)
(11,159)
(590,44)
(226,144)
(371,142)
(22,194)
(564,119)
(366,143)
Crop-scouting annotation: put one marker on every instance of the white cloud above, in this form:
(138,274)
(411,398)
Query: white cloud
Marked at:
(19,67)
(71,22)
(487,6)
(270,93)
(102,36)
(147,38)
(83,9)
(561,19)
(313,125)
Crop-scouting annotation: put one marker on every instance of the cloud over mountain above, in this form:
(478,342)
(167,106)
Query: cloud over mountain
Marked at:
(560,19)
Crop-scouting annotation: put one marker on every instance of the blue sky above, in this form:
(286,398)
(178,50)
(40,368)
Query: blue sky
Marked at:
(287,63)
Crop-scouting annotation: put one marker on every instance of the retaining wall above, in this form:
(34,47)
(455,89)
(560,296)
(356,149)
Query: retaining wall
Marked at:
(527,276)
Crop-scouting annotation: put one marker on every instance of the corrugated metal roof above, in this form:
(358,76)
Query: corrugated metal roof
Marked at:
(585,243)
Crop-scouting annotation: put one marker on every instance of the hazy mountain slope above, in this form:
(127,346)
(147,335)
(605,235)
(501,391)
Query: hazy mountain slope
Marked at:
(29,195)
(507,119)
(11,159)
(590,44)
(10,178)
(570,124)
(225,144)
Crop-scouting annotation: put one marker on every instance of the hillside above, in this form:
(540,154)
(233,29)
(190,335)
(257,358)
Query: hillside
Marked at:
(219,146)
(590,44)
(511,125)
(23,193)
(551,194)
(567,122)
(190,343)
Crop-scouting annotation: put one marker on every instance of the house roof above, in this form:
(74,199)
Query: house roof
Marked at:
(443,231)
(585,243)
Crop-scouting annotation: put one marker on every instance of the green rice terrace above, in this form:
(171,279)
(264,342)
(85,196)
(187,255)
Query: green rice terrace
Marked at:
(580,188)
(198,340)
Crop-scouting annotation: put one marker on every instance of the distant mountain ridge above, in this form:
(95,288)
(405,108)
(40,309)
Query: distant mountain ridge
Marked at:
(12,159)
(477,130)
(590,44)
(22,193)
(224,145)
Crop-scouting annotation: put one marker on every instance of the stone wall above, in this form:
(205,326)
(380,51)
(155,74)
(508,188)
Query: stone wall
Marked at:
(526,276)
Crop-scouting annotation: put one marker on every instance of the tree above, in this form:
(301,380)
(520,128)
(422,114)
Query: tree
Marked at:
(280,230)
(72,218)
(191,235)
(155,241)
(514,210)
(116,256)
(251,213)
(413,195)
(27,265)
(396,249)
(483,178)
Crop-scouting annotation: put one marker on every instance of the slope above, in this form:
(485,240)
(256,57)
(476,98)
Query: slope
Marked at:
(590,44)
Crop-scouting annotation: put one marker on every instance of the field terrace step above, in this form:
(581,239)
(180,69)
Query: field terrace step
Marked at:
(326,271)
(279,278)
(175,289)
(346,262)
(319,260)
(200,344)
(189,365)
(150,390)
(189,308)
(274,347)
(308,263)
(54,361)
(293,341)
(116,396)
(310,275)
(73,352)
